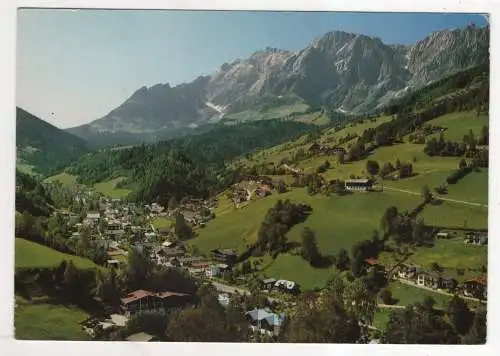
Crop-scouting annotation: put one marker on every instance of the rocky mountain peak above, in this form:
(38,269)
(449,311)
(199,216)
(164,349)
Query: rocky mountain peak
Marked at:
(339,70)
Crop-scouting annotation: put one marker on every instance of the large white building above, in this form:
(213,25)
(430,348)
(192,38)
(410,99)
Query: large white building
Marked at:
(358,185)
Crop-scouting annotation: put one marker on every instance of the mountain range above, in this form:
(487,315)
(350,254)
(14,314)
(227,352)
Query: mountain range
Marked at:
(346,72)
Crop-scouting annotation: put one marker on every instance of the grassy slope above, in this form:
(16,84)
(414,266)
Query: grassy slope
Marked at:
(40,320)
(341,221)
(30,254)
(65,179)
(109,188)
(338,222)
(405,294)
(276,153)
(473,187)
(458,124)
(162,223)
(451,214)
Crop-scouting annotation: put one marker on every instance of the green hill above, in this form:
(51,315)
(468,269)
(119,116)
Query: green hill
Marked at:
(43,146)
(30,254)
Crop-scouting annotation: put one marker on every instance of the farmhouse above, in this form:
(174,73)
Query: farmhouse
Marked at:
(476,239)
(476,288)
(146,301)
(217,270)
(449,283)
(227,256)
(358,185)
(430,280)
(263,191)
(407,271)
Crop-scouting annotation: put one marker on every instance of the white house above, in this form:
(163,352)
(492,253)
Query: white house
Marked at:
(358,185)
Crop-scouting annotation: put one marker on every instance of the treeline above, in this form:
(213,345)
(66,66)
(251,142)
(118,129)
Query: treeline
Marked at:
(401,227)
(412,111)
(278,221)
(53,232)
(186,166)
(31,195)
(423,96)
(71,284)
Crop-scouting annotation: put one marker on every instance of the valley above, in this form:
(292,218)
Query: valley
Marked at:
(357,201)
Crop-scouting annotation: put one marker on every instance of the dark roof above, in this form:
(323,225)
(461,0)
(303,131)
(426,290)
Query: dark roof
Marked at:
(225,251)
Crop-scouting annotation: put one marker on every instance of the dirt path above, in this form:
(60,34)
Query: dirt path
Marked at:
(438,196)
(290,168)
(389,306)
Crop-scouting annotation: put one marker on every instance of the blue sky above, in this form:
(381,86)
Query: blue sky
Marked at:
(75,66)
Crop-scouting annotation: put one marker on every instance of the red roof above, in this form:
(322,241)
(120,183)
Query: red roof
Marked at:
(141,293)
(480,280)
(371,261)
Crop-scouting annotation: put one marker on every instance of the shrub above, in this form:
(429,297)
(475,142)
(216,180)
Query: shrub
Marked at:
(386,296)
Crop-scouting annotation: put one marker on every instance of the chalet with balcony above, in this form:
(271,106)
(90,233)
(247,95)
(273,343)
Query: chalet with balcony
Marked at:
(146,301)
(227,256)
(476,288)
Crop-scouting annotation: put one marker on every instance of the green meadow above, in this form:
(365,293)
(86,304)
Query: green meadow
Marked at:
(30,254)
(110,189)
(459,123)
(64,178)
(39,319)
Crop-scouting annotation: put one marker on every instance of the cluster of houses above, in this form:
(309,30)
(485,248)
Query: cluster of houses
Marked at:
(240,195)
(471,238)
(195,211)
(322,149)
(475,288)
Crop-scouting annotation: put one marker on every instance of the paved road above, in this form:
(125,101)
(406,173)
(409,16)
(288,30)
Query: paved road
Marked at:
(437,196)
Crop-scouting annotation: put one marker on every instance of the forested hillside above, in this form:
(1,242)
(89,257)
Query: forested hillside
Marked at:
(198,165)
(192,165)
(44,146)
(31,195)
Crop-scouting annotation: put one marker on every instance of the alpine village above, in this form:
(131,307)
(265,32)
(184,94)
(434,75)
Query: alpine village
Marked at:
(311,210)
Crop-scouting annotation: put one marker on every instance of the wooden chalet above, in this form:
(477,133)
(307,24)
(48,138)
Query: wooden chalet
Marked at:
(147,301)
